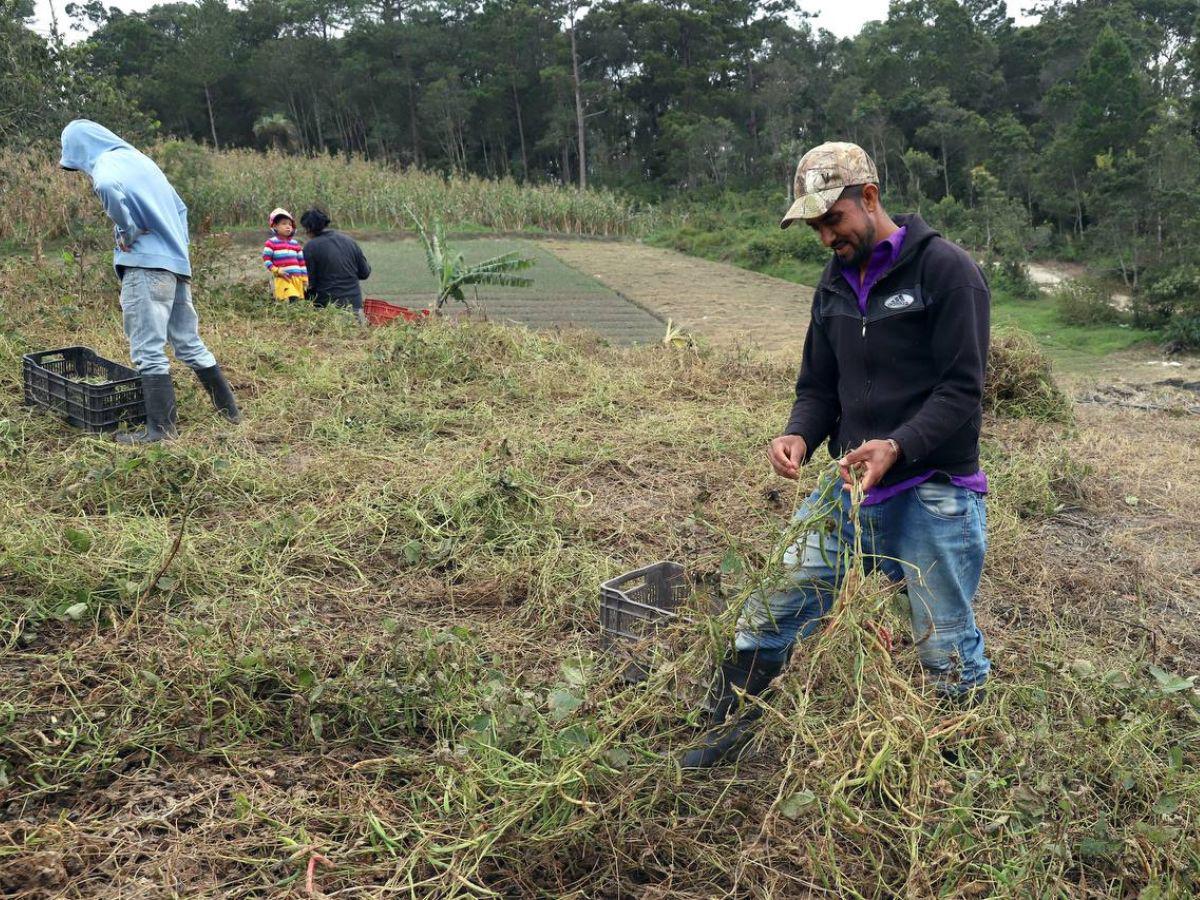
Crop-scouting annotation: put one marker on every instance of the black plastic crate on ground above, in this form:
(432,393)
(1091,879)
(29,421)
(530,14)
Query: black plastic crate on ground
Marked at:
(54,380)
(635,605)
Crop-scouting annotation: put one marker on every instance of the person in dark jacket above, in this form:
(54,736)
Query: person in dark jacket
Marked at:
(892,376)
(335,262)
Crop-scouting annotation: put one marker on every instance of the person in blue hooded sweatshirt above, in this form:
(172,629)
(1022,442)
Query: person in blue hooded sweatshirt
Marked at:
(151,259)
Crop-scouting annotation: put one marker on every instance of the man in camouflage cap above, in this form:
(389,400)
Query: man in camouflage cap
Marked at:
(823,173)
(892,375)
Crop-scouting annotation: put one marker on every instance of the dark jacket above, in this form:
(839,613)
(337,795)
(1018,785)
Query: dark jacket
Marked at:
(335,266)
(912,369)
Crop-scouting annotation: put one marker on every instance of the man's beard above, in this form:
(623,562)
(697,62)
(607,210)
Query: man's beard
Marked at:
(862,253)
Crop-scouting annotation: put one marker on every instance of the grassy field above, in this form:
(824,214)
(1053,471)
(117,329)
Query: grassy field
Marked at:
(559,298)
(1072,347)
(225,189)
(743,231)
(355,640)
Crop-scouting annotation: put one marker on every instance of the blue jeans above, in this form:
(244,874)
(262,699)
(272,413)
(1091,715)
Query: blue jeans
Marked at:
(156,309)
(931,537)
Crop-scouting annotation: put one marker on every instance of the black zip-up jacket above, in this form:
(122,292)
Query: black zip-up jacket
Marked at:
(335,266)
(911,369)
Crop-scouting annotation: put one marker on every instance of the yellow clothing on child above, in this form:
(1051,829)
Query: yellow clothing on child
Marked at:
(290,287)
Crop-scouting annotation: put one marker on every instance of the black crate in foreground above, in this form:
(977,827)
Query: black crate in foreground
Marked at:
(635,605)
(55,380)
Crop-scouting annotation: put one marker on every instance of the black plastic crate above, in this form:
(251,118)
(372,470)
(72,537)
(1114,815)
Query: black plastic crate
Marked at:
(635,605)
(53,381)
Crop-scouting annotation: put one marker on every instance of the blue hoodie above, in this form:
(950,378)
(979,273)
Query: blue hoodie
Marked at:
(150,218)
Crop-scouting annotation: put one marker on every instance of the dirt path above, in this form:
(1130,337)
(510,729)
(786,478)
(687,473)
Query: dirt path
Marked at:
(722,303)
(1049,274)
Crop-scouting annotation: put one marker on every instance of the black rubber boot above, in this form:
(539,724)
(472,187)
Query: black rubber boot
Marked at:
(159,394)
(751,676)
(219,392)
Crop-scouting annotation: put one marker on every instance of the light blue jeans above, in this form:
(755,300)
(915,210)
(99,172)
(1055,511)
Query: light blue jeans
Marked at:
(156,309)
(931,537)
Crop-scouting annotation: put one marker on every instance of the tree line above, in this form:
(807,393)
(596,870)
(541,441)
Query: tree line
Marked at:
(1080,129)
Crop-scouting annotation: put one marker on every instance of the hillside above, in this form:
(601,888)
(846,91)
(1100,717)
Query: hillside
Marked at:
(354,642)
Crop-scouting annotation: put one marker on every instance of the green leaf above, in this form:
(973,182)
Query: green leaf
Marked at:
(1166,805)
(731,563)
(574,675)
(1028,801)
(80,541)
(1159,835)
(795,805)
(166,583)
(563,703)
(75,611)
(316,724)
(1170,683)
(618,757)
(576,736)
(306,678)
(1098,846)
(1117,680)
(1083,668)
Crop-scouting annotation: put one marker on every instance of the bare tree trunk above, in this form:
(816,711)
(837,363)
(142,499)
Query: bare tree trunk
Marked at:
(1078,206)
(414,133)
(298,119)
(1133,250)
(566,161)
(1158,215)
(520,129)
(886,177)
(945,167)
(579,125)
(212,122)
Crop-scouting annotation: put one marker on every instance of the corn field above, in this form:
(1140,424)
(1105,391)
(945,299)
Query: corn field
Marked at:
(234,188)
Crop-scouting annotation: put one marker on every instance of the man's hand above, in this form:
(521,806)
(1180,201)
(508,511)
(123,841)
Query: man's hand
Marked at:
(874,458)
(786,453)
(125,244)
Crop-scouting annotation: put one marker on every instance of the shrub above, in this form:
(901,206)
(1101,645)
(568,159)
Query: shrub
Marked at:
(777,245)
(1183,333)
(1167,294)
(1084,302)
(1019,381)
(1011,277)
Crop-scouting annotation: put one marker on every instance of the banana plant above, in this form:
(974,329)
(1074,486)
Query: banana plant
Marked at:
(453,273)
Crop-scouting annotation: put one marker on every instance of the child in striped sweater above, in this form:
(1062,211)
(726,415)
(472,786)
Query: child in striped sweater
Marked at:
(284,257)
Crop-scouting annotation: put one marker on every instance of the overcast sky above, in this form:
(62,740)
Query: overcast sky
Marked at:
(843,17)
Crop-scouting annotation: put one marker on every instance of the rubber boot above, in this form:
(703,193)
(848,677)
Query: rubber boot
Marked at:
(159,394)
(219,392)
(743,672)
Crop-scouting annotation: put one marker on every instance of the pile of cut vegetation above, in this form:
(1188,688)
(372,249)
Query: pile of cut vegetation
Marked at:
(353,643)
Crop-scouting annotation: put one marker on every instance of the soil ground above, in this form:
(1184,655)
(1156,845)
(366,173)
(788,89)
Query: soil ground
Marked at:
(370,664)
(723,304)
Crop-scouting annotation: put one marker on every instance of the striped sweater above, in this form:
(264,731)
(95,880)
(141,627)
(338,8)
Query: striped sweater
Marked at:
(285,255)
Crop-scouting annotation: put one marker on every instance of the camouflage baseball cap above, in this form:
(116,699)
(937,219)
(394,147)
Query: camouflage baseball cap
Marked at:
(822,175)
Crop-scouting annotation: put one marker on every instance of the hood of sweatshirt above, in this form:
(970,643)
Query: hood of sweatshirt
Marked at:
(84,141)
